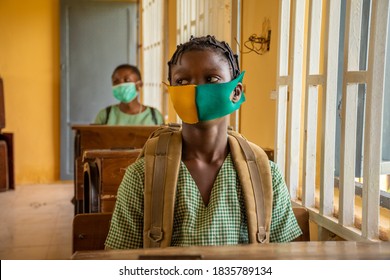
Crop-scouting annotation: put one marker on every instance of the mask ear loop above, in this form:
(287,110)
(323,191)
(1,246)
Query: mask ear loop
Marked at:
(166,86)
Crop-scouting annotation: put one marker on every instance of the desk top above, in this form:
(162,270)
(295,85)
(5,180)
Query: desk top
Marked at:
(110,153)
(98,127)
(330,250)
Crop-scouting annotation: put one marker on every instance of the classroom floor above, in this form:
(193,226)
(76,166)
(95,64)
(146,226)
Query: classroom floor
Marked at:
(36,222)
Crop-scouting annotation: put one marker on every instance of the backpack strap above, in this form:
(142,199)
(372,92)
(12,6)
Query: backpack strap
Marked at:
(153,111)
(108,110)
(163,149)
(253,169)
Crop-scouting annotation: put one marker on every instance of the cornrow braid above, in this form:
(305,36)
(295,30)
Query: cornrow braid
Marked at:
(206,43)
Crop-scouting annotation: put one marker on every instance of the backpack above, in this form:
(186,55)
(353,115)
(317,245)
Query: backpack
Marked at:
(152,110)
(162,156)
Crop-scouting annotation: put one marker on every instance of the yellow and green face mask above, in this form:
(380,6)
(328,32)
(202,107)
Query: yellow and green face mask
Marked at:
(198,103)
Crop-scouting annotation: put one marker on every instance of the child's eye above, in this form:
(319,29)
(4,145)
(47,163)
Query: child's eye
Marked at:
(212,80)
(182,82)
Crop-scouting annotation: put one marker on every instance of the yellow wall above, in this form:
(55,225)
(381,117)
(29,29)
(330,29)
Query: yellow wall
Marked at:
(29,65)
(258,112)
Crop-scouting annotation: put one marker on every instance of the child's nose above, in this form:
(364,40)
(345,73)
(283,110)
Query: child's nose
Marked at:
(197,81)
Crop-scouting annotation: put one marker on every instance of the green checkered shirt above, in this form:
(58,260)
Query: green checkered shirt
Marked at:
(222,222)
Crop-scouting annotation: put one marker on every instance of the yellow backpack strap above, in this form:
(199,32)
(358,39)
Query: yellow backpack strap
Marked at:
(162,150)
(254,171)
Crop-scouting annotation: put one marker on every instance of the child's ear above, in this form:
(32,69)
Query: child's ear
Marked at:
(139,84)
(236,94)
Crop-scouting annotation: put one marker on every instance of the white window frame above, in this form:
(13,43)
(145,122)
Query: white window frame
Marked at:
(298,87)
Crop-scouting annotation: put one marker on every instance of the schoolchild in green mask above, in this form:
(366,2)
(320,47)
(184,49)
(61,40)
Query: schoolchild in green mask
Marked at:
(205,146)
(126,85)
(209,209)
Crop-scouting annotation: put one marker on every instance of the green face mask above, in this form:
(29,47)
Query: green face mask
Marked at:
(196,103)
(125,92)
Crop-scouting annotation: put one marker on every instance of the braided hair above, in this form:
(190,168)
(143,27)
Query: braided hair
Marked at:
(206,43)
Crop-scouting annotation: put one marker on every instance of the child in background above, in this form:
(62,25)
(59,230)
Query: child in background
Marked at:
(209,203)
(126,83)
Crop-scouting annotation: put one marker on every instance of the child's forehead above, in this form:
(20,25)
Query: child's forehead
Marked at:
(201,56)
(210,50)
(124,72)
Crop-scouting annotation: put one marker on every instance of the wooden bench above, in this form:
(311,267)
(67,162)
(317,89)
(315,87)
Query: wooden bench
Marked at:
(88,137)
(103,172)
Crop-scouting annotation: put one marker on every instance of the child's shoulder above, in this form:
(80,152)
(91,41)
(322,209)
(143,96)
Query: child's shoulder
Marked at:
(273,165)
(139,164)
(137,168)
(275,170)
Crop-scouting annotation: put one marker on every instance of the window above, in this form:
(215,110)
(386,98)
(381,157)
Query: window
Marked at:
(332,108)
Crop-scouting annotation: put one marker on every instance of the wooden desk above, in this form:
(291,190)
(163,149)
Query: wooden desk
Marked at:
(110,137)
(89,137)
(330,250)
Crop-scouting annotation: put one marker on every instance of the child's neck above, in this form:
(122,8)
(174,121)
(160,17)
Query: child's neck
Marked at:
(132,108)
(208,144)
